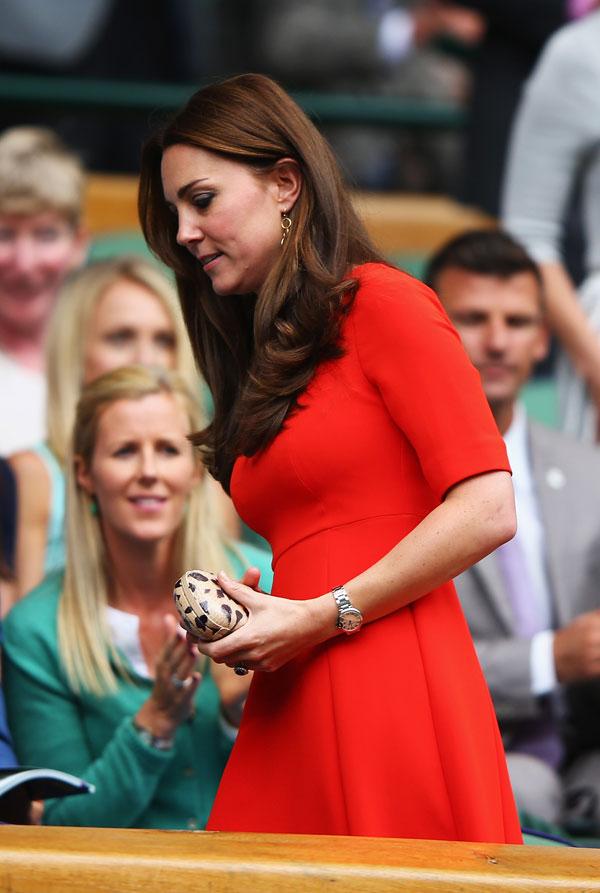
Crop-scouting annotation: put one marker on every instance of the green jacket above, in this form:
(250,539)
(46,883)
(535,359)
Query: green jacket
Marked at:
(137,786)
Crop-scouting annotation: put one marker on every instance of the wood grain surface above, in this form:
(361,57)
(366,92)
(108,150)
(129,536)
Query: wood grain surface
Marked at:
(92,860)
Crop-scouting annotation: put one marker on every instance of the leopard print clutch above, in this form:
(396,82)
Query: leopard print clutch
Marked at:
(206,610)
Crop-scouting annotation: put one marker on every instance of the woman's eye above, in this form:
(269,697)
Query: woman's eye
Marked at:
(203,199)
(121,336)
(126,450)
(166,341)
(169,448)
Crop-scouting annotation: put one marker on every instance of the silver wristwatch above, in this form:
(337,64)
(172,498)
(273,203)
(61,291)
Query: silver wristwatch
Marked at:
(155,741)
(349,618)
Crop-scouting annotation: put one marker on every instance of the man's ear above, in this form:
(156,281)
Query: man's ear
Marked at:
(82,476)
(288,182)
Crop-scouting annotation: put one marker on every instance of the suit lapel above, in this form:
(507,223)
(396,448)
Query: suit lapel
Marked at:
(492,582)
(550,479)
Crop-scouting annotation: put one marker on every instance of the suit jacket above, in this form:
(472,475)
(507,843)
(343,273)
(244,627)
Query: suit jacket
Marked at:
(567,480)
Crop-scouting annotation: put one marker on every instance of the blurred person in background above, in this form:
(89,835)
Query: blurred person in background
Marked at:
(187,41)
(555,147)
(533,605)
(41,241)
(8,524)
(513,33)
(113,692)
(372,47)
(112,313)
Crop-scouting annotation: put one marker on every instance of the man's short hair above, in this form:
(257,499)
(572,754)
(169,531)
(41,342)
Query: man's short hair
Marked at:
(488,252)
(39,173)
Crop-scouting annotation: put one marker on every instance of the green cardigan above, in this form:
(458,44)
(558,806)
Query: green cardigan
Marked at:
(137,786)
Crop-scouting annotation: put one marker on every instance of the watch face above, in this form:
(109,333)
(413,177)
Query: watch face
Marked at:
(350,620)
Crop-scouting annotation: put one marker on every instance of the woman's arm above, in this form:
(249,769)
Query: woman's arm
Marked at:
(476,517)
(33,513)
(51,731)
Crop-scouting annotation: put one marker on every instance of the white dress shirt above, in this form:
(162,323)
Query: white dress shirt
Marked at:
(531,538)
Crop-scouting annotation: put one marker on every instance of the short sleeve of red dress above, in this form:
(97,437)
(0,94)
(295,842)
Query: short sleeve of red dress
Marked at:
(411,353)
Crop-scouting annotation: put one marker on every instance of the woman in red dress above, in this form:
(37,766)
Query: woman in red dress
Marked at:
(353,434)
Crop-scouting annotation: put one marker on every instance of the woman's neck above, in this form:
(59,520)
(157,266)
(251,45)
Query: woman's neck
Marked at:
(141,575)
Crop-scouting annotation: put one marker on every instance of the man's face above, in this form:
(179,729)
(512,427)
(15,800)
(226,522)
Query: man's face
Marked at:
(501,326)
(36,253)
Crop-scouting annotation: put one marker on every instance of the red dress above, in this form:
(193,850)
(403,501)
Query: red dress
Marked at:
(390,732)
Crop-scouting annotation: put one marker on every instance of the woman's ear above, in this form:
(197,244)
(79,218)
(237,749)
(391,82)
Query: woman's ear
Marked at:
(82,476)
(288,182)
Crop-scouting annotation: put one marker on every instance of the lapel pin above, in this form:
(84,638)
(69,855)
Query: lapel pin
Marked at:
(555,478)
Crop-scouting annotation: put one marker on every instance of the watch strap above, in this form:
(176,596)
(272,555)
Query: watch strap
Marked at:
(155,741)
(344,605)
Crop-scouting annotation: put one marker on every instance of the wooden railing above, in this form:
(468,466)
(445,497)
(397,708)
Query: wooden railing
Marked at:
(111,97)
(82,860)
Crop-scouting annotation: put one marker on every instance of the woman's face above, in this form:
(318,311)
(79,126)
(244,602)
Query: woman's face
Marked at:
(142,468)
(229,218)
(129,325)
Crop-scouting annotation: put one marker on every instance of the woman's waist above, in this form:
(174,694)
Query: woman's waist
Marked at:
(326,557)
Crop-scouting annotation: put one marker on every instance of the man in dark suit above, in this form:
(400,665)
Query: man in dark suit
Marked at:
(533,606)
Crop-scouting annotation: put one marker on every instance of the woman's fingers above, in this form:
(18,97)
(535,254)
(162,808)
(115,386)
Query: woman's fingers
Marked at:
(238,591)
(251,578)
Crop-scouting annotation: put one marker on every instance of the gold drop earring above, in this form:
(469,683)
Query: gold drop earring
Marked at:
(286,225)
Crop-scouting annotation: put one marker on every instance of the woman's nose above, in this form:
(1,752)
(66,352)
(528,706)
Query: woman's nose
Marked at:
(146,354)
(188,230)
(147,469)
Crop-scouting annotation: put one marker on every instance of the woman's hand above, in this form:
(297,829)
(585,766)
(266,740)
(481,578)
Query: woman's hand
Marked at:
(276,631)
(175,684)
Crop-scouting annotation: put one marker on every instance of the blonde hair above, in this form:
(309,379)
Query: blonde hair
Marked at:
(39,173)
(69,325)
(89,658)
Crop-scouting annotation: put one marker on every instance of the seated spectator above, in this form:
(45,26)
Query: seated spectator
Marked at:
(112,313)
(7,756)
(8,521)
(533,605)
(113,692)
(41,240)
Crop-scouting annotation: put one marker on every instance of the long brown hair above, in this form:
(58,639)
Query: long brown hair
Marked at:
(258,354)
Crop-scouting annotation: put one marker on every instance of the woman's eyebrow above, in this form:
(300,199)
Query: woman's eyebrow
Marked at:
(182,191)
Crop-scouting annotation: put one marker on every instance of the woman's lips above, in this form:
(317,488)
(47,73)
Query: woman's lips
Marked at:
(209,260)
(148,503)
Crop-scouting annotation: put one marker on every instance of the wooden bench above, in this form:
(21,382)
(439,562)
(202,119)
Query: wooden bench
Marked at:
(92,860)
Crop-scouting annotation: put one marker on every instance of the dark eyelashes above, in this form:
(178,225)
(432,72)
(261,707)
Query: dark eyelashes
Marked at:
(202,200)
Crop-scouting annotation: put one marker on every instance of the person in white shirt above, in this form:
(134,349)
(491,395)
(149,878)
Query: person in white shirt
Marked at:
(533,606)
(41,241)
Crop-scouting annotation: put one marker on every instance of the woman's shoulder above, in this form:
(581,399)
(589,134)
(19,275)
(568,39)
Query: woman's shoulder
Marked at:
(36,612)
(386,281)
(386,293)
(33,476)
